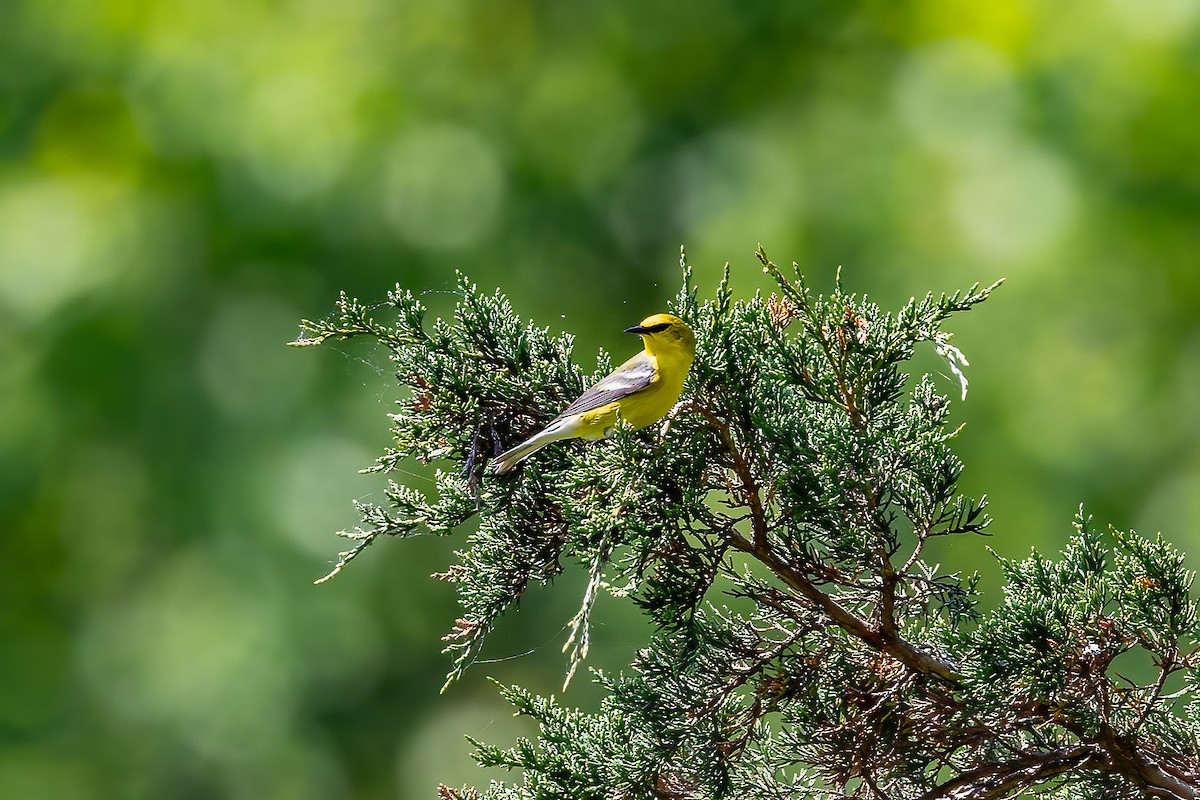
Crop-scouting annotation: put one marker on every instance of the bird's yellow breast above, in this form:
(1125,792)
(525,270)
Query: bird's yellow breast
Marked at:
(638,410)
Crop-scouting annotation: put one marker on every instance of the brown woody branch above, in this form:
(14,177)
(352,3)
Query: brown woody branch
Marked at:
(1112,752)
(994,781)
(885,639)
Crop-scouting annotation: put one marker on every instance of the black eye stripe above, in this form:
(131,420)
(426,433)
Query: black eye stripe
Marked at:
(659,328)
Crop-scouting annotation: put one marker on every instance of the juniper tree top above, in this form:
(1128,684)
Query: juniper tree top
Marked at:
(803,474)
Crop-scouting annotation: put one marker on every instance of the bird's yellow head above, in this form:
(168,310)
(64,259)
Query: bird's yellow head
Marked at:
(665,332)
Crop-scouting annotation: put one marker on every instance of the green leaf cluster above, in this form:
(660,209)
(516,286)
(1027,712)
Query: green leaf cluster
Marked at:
(773,532)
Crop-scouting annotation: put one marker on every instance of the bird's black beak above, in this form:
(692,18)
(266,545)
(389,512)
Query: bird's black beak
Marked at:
(635,329)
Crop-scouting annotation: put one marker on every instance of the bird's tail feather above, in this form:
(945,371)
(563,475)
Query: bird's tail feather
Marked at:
(508,460)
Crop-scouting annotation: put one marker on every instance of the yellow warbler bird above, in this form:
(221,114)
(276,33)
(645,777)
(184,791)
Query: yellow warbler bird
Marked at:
(639,393)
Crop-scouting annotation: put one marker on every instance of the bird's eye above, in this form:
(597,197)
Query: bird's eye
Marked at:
(659,328)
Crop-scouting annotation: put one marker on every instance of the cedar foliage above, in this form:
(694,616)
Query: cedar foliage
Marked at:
(803,474)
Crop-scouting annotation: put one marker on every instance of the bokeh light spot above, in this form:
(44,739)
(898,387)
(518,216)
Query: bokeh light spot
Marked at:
(1174,507)
(1005,25)
(953,93)
(443,187)
(1012,202)
(303,132)
(312,482)
(579,121)
(1155,20)
(738,187)
(57,244)
(240,362)
(194,653)
(1074,396)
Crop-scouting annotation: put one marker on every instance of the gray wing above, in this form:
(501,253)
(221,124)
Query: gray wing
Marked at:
(634,375)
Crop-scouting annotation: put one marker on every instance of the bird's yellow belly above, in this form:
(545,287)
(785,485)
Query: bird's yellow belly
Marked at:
(598,423)
(635,411)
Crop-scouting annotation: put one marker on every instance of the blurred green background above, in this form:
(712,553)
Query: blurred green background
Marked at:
(181,182)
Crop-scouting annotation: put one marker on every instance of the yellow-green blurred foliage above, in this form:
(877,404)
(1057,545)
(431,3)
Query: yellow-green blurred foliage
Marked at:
(181,181)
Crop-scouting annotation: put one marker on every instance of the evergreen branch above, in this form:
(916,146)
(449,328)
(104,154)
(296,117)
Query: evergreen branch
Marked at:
(1165,668)
(893,645)
(579,639)
(363,540)
(886,640)
(747,491)
(1122,755)
(995,781)
(860,669)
